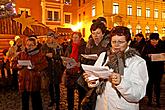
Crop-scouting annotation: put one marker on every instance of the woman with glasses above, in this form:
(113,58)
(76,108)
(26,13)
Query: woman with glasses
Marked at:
(126,84)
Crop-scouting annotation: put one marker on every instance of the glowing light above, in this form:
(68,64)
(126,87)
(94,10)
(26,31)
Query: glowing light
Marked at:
(11,42)
(76,27)
(16,37)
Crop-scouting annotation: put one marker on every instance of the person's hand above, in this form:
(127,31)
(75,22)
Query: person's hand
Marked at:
(50,55)
(115,78)
(91,80)
(30,67)
(19,66)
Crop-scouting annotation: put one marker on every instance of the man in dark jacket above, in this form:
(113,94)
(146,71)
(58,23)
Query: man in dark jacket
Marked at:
(155,68)
(54,70)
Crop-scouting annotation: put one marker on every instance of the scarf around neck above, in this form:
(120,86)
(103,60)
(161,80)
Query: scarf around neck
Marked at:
(117,63)
(74,53)
(33,52)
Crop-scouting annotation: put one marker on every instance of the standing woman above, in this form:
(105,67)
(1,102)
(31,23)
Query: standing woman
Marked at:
(74,50)
(30,76)
(126,85)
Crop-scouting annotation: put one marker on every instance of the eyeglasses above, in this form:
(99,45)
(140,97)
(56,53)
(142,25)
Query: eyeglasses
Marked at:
(118,42)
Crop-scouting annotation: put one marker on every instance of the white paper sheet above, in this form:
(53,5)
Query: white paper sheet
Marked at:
(158,57)
(98,70)
(24,62)
(69,62)
(90,56)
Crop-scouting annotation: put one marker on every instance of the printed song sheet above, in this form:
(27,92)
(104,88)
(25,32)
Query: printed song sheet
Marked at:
(69,62)
(158,57)
(24,62)
(98,70)
(90,56)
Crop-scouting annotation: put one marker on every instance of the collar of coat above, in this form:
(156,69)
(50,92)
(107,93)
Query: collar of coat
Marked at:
(33,52)
(117,60)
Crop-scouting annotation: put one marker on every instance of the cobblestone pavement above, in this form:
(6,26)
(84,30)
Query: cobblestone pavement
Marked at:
(11,100)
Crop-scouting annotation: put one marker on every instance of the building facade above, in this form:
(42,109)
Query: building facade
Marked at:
(144,16)
(58,15)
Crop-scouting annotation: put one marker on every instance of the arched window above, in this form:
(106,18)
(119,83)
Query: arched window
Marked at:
(147,29)
(115,24)
(130,28)
(163,30)
(138,29)
(155,29)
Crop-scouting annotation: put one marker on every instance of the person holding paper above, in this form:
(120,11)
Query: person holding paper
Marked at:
(155,68)
(54,71)
(126,84)
(74,50)
(30,76)
(99,40)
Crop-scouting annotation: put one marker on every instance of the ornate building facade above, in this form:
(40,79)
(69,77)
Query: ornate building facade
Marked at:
(59,15)
(144,16)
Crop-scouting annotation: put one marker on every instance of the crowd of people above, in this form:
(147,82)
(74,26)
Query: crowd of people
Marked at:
(134,73)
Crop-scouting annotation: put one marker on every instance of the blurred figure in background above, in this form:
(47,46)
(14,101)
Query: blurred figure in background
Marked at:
(12,53)
(155,68)
(139,43)
(54,70)
(75,48)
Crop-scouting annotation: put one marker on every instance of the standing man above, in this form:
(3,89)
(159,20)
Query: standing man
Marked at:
(155,68)
(54,70)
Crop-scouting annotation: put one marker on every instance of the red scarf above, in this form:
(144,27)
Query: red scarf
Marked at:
(74,53)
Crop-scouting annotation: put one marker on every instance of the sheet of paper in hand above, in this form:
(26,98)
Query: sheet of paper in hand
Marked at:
(158,57)
(24,62)
(90,56)
(98,71)
(69,62)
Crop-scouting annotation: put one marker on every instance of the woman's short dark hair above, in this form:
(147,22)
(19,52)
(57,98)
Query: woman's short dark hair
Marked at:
(140,35)
(97,25)
(120,31)
(77,33)
(154,36)
(32,40)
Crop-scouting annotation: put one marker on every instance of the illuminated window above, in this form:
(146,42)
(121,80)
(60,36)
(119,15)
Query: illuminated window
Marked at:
(155,29)
(163,30)
(53,15)
(139,11)
(130,28)
(67,2)
(147,12)
(129,10)
(115,24)
(156,13)
(67,18)
(115,8)
(50,15)
(93,10)
(27,10)
(147,29)
(56,16)
(138,29)
(163,14)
